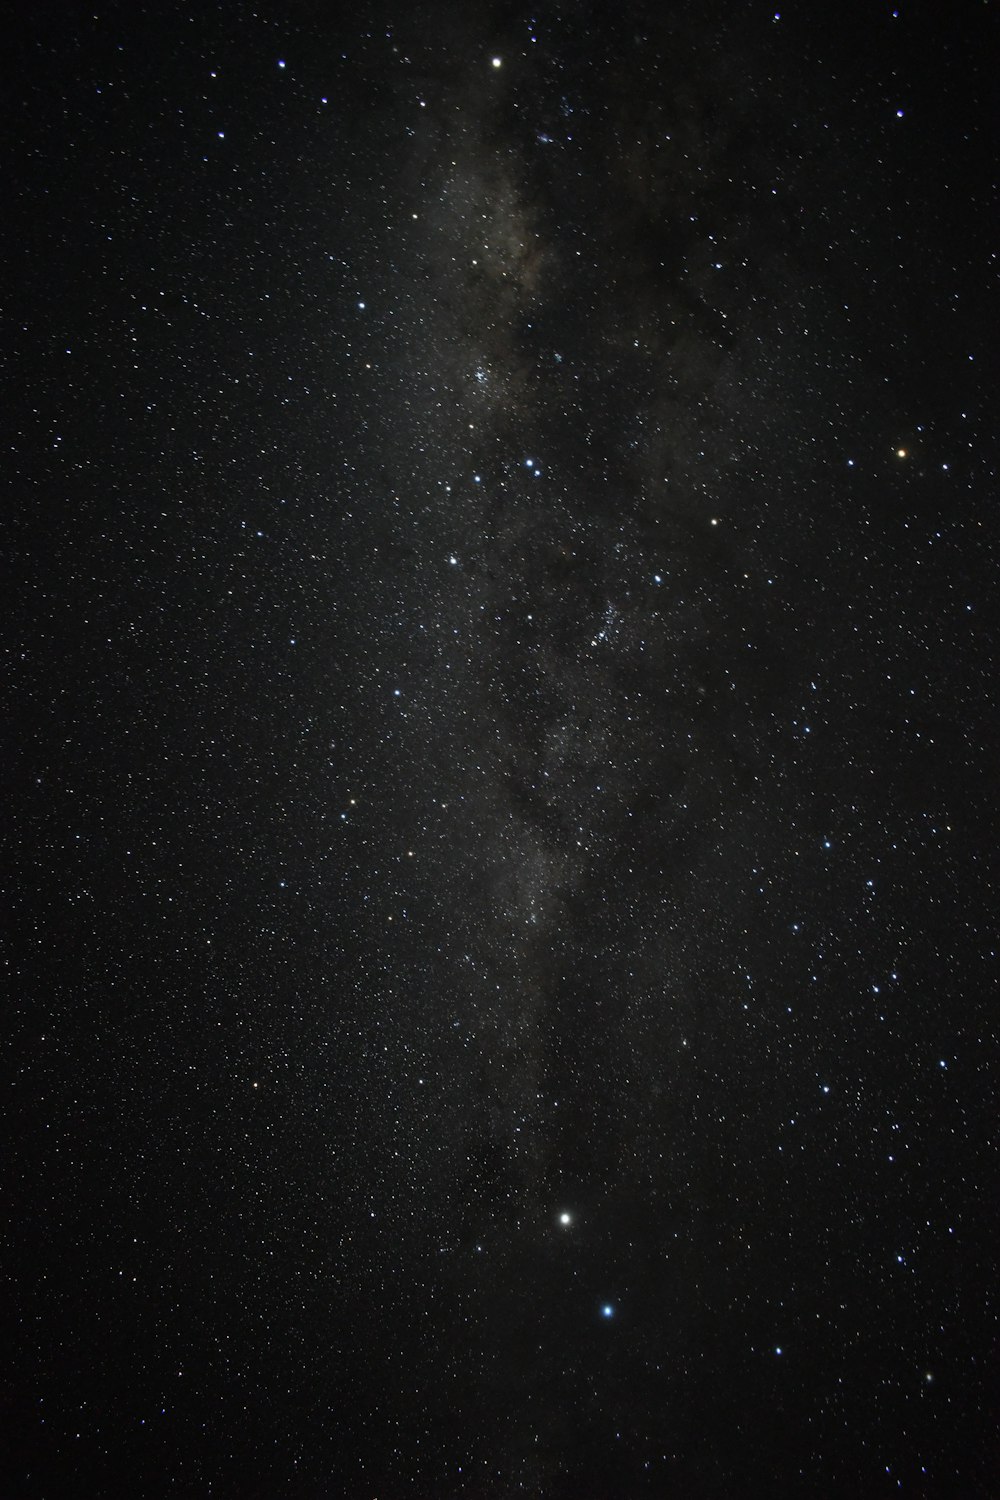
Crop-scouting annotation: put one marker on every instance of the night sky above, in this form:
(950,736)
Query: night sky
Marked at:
(503,750)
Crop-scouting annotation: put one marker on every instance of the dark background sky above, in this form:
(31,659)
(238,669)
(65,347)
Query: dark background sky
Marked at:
(503,750)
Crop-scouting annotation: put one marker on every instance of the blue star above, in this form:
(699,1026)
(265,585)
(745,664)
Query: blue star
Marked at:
(607,1311)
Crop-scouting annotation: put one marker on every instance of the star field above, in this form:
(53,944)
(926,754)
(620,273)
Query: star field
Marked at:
(503,742)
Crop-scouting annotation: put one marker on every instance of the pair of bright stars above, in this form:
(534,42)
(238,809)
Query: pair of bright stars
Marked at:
(607,1308)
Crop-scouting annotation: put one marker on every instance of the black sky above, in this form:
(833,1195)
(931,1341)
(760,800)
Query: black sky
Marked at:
(503,750)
